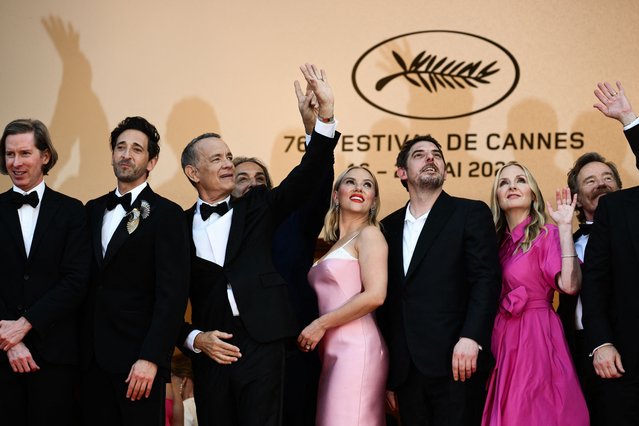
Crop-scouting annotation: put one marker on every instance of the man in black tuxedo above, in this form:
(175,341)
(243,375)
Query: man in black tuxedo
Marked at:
(610,294)
(293,254)
(241,313)
(44,257)
(139,287)
(443,290)
(590,178)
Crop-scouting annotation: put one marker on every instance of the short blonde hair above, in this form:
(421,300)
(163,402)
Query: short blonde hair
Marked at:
(537,210)
(331,221)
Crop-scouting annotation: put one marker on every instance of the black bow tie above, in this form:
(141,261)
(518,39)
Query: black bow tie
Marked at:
(31,199)
(207,210)
(114,200)
(584,229)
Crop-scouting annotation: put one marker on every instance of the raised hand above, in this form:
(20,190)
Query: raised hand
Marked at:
(565,207)
(308,106)
(318,83)
(614,103)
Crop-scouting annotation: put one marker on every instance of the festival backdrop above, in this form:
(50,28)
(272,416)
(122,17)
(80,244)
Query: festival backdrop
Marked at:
(493,81)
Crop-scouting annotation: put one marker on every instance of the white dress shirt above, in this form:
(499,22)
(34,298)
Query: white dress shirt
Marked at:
(412,229)
(211,236)
(112,218)
(580,249)
(29,215)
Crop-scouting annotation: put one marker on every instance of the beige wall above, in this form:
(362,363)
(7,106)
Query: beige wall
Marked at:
(195,66)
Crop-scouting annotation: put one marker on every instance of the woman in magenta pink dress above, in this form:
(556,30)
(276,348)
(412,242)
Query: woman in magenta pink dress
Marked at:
(534,380)
(350,282)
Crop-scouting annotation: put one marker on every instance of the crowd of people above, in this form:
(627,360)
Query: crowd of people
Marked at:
(439,314)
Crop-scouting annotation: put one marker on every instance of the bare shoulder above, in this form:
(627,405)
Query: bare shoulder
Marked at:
(371,236)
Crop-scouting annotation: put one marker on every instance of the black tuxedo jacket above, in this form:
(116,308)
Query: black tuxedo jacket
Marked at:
(568,303)
(632,135)
(610,293)
(566,312)
(451,289)
(139,289)
(294,249)
(48,286)
(259,290)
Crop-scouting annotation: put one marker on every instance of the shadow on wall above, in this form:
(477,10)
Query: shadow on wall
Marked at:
(79,126)
(188,119)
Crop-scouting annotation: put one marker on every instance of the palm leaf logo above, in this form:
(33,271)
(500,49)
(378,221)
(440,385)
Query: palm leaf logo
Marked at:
(431,73)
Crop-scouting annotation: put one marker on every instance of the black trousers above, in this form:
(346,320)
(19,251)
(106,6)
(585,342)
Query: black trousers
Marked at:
(104,402)
(435,401)
(591,384)
(617,401)
(301,378)
(247,392)
(40,398)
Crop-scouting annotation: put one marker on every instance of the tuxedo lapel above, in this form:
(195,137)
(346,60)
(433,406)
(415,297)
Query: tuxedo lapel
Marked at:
(9,215)
(48,208)
(235,233)
(440,214)
(394,231)
(96,229)
(121,234)
(631,219)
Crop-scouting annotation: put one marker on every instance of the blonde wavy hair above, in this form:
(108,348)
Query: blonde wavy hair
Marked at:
(537,210)
(331,221)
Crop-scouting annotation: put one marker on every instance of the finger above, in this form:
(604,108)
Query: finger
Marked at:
(323,74)
(129,390)
(32,364)
(15,366)
(602,98)
(316,73)
(224,346)
(222,335)
(600,108)
(298,91)
(619,87)
(148,389)
(224,359)
(551,211)
(136,390)
(473,364)
(455,368)
(618,364)
(611,91)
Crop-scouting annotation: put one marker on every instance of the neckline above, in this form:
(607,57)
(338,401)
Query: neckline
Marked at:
(321,259)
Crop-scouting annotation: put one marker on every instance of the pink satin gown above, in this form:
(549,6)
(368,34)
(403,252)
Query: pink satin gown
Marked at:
(354,356)
(534,380)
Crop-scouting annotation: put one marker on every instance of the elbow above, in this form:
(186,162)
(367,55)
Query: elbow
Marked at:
(377,300)
(573,288)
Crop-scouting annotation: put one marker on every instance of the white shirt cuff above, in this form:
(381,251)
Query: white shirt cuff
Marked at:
(631,125)
(190,340)
(326,129)
(599,347)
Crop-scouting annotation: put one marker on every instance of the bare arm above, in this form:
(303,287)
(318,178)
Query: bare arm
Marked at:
(373,254)
(569,279)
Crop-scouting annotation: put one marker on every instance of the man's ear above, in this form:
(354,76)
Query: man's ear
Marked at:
(401,173)
(192,173)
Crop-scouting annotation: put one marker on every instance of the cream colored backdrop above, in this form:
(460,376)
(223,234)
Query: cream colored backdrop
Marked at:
(192,66)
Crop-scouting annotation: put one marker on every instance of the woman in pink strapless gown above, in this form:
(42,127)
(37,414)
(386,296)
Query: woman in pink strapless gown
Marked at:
(534,380)
(350,282)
